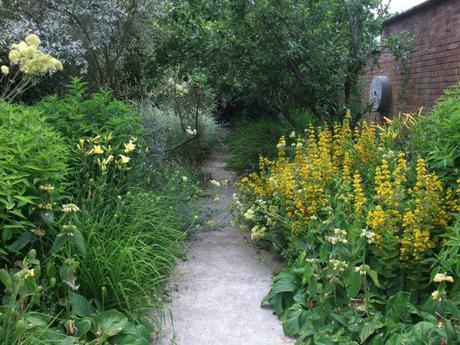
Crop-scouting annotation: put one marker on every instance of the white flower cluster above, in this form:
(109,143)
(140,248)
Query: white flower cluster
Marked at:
(215,183)
(312,261)
(438,295)
(237,202)
(340,237)
(443,277)
(338,266)
(249,215)
(190,131)
(368,235)
(257,232)
(363,269)
(70,208)
(182,88)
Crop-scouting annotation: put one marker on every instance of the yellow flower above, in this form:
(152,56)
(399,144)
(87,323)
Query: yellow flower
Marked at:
(96,150)
(130,146)
(5,70)
(124,159)
(33,40)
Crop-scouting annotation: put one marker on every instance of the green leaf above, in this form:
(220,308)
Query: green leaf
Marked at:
(353,284)
(291,320)
(284,282)
(369,328)
(110,323)
(23,240)
(79,242)
(5,278)
(80,305)
(398,307)
(375,278)
(59,242)
(425,333)
(83,327)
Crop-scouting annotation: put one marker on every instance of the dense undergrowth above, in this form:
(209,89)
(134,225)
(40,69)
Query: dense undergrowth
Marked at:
(367,219)
(91,223)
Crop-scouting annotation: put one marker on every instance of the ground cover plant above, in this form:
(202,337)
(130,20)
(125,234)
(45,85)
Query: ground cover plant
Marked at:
(370,236)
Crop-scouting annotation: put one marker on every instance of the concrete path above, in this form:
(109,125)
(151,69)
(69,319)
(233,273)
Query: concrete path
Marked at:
(217,293)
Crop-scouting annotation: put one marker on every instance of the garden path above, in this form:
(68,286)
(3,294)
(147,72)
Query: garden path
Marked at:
(217,293)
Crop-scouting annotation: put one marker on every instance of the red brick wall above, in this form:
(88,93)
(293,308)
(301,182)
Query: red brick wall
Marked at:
(434,63)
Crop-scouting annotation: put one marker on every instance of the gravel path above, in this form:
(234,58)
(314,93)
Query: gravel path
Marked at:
(217,293)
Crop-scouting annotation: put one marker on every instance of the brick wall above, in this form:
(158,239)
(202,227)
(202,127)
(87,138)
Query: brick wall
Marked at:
(434,63)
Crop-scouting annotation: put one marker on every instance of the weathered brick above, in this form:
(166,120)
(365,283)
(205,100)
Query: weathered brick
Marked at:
(432,66)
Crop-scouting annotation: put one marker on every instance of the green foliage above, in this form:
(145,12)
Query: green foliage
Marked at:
(311,59)
(248,139)
(437,136)
(349,214)
(77,115)
(32,156)
(86,244)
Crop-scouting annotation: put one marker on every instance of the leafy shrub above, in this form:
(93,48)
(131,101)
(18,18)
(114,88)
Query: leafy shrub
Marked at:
(364,230)
(77,115)
(249,139)
(32,169)
(436,136)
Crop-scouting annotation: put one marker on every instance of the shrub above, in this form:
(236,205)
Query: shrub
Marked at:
(32,169)
(77,115)
(364,230)
(436,136)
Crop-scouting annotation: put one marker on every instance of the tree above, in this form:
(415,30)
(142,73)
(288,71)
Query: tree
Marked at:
(276,54)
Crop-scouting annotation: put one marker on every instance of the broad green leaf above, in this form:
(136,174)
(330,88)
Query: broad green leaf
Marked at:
(369,328)
(110,323)
(398,307)
(291,320)
(353,284)
(375,278)
(80,305)
(284,282)
(83,327)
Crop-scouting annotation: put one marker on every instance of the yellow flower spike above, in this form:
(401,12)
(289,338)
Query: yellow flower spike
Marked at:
(130,146)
